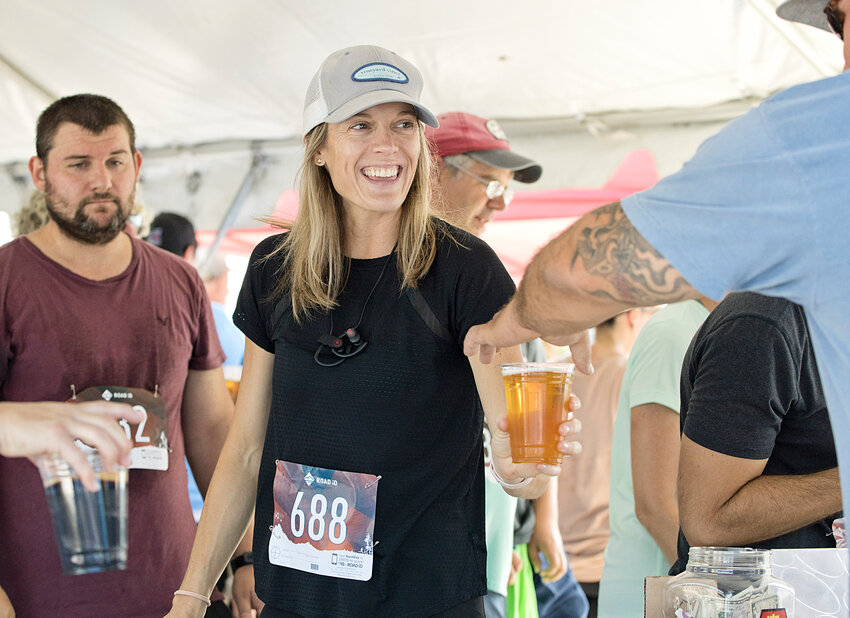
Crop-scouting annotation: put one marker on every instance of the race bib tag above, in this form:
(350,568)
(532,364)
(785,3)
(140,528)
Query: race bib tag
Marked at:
(150,444)
(324,521)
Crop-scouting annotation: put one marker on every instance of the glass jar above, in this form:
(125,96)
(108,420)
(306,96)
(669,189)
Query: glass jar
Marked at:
(728,582)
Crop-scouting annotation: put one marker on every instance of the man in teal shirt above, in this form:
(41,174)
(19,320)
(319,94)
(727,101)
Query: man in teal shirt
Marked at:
(642,509)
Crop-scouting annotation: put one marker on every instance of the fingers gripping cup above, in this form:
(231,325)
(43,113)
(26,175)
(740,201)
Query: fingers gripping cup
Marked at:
(90,527)
(536,393)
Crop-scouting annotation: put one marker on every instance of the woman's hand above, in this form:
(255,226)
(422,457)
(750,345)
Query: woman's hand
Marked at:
(567,446)
(516,567)
(245,603)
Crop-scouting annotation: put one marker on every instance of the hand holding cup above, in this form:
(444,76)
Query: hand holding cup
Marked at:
(29,429)
(537,432)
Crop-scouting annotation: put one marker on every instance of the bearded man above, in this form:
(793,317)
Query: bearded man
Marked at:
(85,306)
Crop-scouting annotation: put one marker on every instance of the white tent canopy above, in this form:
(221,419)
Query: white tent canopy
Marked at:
(215,88)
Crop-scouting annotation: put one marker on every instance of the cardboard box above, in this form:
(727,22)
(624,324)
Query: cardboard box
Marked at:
(820,578)
(653,593)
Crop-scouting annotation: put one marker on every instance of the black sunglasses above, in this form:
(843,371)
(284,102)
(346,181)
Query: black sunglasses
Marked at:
(835,18)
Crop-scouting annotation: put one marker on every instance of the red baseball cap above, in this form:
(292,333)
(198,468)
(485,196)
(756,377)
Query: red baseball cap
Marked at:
(481,139)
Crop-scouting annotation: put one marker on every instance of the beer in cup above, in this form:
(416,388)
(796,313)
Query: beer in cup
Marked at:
(232,377)
(536,393)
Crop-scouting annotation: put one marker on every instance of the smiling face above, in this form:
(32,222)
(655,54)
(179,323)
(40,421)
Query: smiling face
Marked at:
(464,199)
(372,157)
(89,181)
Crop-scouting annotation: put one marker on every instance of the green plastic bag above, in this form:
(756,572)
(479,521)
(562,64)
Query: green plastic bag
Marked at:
(522,600)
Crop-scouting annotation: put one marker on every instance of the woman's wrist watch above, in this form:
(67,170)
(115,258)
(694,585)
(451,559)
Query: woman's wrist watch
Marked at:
(242,560)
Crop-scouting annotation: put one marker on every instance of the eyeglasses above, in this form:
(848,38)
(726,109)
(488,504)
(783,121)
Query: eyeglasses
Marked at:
(835,18)
(493,188)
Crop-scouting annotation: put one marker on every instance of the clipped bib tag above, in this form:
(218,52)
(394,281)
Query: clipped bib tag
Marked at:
(324,521)
(150,444)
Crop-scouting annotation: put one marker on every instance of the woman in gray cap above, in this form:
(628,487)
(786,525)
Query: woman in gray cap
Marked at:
(359,419)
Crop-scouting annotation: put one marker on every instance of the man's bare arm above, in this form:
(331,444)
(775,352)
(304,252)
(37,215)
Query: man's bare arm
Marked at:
(206,416)
(726,500)
(597,267)
(655,463)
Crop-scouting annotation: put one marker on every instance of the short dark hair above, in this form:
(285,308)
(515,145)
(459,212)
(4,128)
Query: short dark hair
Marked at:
(172,232)
(93,112)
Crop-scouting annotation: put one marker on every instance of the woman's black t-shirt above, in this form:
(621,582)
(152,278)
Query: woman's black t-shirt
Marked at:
(405,408)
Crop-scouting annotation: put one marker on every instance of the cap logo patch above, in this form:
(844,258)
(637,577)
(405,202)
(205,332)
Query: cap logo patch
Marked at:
(379,72)
(496,130)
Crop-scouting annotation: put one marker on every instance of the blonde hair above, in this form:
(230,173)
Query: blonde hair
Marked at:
(315,267)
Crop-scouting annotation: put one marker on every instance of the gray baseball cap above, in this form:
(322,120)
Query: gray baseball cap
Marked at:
(356,78)
(806,12)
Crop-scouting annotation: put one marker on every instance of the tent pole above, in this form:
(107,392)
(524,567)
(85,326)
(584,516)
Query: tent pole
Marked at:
(41,89)
(257,165)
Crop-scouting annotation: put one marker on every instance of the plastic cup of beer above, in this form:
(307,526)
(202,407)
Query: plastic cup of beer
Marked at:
(232,377)
(536,393)
(90,526)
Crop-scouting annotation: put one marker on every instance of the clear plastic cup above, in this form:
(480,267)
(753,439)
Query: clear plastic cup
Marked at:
(536,393)
(232,377)
(90,527)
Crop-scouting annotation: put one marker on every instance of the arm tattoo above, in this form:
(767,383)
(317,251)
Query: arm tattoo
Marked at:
(608,246)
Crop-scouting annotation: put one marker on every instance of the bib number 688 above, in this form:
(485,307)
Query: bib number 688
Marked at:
(316,524)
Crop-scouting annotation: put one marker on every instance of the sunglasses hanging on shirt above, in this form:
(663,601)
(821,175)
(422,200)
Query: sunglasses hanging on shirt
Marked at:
(349,343)
(343,346)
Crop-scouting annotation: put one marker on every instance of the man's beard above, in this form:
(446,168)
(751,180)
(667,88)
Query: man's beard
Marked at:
(82,227)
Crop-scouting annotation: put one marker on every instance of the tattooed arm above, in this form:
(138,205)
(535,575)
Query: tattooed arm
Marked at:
(599,266)
(596,268)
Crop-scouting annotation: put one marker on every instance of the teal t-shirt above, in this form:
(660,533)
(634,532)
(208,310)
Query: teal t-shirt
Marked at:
(499,515)
(652,376)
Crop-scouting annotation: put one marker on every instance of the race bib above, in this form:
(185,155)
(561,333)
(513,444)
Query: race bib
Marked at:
(150,444)
(324,521)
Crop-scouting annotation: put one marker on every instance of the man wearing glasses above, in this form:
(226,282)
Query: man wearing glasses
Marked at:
(475,164)
(763,206)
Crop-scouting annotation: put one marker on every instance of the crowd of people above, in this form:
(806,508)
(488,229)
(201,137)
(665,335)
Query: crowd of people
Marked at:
(371,413)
